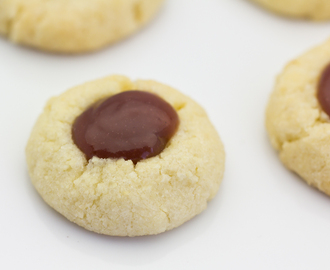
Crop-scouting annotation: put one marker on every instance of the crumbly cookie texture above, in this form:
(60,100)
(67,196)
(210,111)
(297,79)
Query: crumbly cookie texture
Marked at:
(296,124)
(73,26)
(309,9)
(114,197)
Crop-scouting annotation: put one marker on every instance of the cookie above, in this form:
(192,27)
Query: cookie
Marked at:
(296,118)
(309,9)
(118,195)
(73,26)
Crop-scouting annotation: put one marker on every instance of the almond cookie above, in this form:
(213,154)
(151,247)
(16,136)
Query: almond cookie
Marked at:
(309,9)
(73,26)
(297,117)
(125,158)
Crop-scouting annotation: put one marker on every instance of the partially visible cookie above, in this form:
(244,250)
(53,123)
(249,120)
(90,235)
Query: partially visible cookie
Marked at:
(119,196)
(73,26)
(309,9)
(297,124)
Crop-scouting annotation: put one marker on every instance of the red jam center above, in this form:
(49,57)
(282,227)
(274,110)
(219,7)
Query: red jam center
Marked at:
(323,94)
(133,125)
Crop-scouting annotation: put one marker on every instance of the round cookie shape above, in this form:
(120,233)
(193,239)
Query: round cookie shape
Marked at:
(73,26)
(297,126)
(307,9)
(115,196)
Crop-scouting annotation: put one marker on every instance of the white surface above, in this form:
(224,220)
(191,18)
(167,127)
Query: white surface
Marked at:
(223,53)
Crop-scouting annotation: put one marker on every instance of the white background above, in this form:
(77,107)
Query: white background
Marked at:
(223,53)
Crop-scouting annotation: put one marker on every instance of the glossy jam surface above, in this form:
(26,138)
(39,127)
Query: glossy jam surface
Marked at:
(323,94)
(133,125)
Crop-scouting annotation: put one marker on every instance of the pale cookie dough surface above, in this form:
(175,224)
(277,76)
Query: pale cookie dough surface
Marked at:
(309,9)
(296,124)
(73,26)
(115,197)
